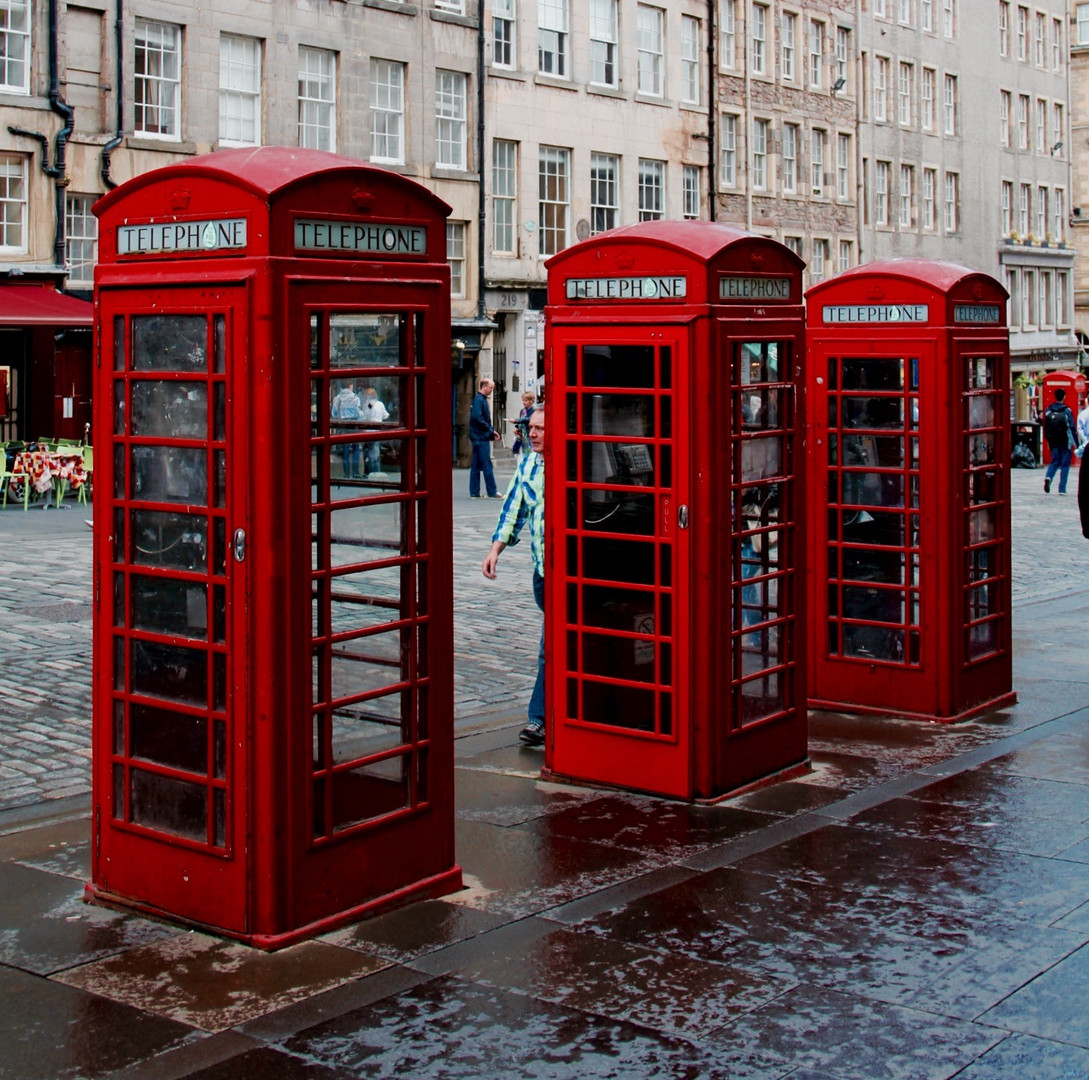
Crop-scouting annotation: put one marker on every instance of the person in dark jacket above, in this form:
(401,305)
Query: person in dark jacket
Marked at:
(482,435)
(1062,438)
(1083,494)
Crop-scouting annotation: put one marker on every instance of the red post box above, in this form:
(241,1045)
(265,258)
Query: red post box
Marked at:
(1072,383)
(909,524)
(674,354)
(273,696)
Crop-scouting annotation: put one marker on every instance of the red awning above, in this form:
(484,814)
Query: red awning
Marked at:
(34,304)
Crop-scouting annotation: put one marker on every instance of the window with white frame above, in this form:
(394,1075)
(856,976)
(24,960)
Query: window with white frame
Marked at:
(1041,126)
(881,193)
(1028,298)
(1039,38)
(843,167)
(796,244)
(1022,33)
(843,52)
(729,149)
(1041,211)
(928,200)
(13,203)
(1003,27)
(317,98)
(789,177)
(816,54)
(926,15)
(552,31)
(728,34)
(927,115)
(1007,207)
(818,142)
(455,256)
(1047,314)
(553,198)
(451,119)
(1062,298)
(1057,44)
(1005,100)
(452,7)
(881,88)
(1013,287)
(690,60)
(904,12)
(603,42)
(1024,204)
(758,55)
(387,111)
(950,103)
(1058,230)
(504,196)
(651,49)
(949,18)
(819,262)
(239,90)
(952,202)
(651,190)
(904,82)
(690,178)
(846,255)
(788,30)
(1058,125)
(760,154)
(878,9)
(15,46)
(80,239)
(907,196)
(604,192)
(1023,121)
(504,21)
(156,87)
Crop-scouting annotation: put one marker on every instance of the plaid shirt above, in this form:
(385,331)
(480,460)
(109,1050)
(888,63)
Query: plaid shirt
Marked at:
(524,502)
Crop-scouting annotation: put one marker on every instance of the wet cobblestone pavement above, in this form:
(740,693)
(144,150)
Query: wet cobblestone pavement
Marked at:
(916,906)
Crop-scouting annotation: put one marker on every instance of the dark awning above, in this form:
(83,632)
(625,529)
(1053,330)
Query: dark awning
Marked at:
(35,304)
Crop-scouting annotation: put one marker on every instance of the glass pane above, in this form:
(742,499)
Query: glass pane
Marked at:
(629,707)
(170,474)
(872,527)
(982,486)
(168,805)
(618,657)
(885,451)
(873,604)
(169,738)
(982,639)
(169,343)
(170,671)
(168,606)
(365,340)
(760,362)
(617,609)
(166,538)
(761,458)
(982,448)
(762,408)
(618,365)
(873,373)
(981,411)
(618,463)
(370,663)
(873,643)
(874,564)
(369,727)
(873,412)
(618,414)
(612,511)
(762,697)
(981,373)
(370,791)
(119,408)
(618,560)
(173,410)
(982,525)
(366,533)
(873,488)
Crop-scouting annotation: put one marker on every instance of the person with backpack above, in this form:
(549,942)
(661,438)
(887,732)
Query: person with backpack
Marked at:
(1061,437)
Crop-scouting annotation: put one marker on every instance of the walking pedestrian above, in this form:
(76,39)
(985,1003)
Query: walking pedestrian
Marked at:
(481,436)
(523,504)
(1061,437)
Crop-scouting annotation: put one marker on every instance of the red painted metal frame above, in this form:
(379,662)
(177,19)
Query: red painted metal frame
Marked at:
(707,749)
(909,602)
(268,876)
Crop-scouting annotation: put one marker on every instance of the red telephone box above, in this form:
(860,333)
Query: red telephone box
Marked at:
(273,694)
(909,523)
(1073,384)
(674,354)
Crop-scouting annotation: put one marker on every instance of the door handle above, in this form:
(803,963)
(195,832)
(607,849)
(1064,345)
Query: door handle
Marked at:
(682,516)
(239,545)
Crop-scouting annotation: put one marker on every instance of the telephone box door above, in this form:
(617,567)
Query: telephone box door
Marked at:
(173,589)
(618,592)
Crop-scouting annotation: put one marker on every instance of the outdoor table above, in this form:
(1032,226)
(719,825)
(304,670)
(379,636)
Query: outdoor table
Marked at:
(43,468)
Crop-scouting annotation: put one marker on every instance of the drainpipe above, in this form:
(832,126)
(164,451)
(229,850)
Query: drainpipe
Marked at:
(119,132)
(712,111)
(748,121)
(481,194)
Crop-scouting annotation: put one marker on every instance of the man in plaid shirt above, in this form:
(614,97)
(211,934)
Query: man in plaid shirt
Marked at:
(524,503)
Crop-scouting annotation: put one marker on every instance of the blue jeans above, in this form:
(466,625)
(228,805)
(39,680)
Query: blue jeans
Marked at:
(482,463)
(1060,462)
(537,698)
(349,454)
(372,458)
